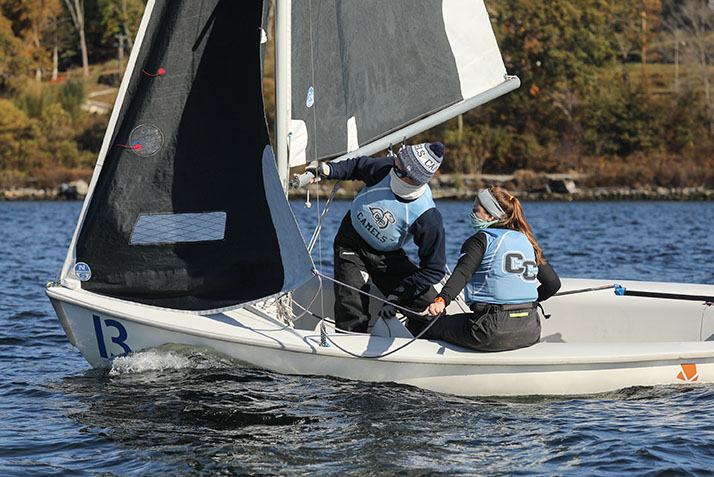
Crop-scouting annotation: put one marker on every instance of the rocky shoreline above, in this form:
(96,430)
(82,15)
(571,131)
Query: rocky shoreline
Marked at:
(75,190)
(558,187)
(549,187)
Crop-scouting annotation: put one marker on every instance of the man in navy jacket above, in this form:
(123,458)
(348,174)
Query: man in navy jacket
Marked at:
(395,206)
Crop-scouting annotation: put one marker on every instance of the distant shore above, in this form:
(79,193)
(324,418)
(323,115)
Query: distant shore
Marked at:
(554,187)
(550,187)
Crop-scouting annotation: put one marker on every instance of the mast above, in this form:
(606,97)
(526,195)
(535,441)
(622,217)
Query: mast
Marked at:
(282,88)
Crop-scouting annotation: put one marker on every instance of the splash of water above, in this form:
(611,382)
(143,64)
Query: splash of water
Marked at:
(171,357)
(151,360)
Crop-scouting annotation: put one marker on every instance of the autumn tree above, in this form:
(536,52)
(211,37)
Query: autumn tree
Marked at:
(692,23)
(14,64)
(18,136)
(33,21)
(121,21)
(635,26)
(76,10)
(558,50)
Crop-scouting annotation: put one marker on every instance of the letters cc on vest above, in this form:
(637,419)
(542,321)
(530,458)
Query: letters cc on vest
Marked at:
(508,271)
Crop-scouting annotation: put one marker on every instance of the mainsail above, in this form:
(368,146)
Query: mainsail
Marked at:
(369,70)
(186,210)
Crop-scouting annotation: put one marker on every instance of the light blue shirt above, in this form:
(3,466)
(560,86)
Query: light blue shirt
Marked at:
(382,220)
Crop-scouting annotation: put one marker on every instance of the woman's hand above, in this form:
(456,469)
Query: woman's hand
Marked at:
(435,308)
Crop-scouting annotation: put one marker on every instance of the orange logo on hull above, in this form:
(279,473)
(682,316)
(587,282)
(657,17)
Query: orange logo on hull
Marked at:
(688,373)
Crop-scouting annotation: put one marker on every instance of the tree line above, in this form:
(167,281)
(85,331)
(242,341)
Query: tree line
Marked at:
(47,48)
(622,91)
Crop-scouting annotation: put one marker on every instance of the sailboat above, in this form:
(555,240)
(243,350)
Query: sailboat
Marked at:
(186,235)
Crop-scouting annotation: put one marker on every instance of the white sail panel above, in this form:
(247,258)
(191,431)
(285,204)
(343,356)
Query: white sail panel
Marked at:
(467,24)
(352,139)
(297,142)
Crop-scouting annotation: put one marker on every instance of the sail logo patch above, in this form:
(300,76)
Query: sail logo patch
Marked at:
(310,97)
(82,271)
(381,217)
(688,374)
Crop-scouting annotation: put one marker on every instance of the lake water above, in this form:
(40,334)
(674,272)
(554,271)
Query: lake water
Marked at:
(190,412)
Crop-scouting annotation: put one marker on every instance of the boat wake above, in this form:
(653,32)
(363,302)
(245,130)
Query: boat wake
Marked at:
(170,357)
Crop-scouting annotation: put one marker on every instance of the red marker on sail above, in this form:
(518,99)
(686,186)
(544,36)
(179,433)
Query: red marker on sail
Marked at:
(136,146)
(159,72)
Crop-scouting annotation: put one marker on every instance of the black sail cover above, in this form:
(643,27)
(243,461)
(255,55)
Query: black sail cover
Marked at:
(188,212)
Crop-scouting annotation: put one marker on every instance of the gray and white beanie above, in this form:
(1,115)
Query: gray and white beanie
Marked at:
(421,160)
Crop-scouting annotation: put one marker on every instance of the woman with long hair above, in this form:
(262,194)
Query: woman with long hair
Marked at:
(504,276)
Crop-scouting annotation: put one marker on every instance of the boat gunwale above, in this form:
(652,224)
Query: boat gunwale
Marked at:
(525,357)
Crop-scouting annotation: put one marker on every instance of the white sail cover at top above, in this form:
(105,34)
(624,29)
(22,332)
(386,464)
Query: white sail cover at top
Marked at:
(363,70)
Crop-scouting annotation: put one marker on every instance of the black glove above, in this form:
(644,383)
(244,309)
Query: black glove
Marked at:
(388,311)
(318,168)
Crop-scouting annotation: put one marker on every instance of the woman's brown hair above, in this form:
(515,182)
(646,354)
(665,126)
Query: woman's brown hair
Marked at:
(515,219)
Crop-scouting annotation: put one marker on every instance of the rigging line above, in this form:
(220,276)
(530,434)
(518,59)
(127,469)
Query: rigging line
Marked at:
(322,295)
(307,310)
(321,317)
(327,320)
(583,290)
(316,233)
(458,299)
(312,81)
(701,327)
(323,332)
(383,300)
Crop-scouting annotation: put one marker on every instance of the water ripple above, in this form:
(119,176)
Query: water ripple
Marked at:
(188,411)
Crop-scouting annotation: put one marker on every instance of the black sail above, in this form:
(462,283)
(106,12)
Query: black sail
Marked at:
(187,211)
(361,70)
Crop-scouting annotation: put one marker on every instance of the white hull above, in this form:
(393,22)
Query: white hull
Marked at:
(594,342)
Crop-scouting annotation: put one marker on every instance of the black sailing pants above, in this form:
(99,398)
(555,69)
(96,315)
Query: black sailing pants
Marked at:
(489,328)
(359,265)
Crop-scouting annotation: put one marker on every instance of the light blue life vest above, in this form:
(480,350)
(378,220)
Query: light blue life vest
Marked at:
(382,220)
(508,271)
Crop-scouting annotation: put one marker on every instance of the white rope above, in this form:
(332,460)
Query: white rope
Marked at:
(378,298)
(312,79)
(326,336)
(458,299)
(318,228)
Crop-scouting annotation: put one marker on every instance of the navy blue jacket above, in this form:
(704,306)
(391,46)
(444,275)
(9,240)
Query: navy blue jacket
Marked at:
(427,231)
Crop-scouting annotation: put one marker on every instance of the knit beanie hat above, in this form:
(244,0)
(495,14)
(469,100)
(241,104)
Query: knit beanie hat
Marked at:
(421,160)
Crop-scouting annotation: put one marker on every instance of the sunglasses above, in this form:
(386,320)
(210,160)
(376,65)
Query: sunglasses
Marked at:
(400,173)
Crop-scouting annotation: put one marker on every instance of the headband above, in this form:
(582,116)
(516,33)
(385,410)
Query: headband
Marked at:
(490,204)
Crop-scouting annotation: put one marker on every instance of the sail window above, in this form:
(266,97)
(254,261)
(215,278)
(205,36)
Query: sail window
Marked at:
(177,228)
(146,140)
